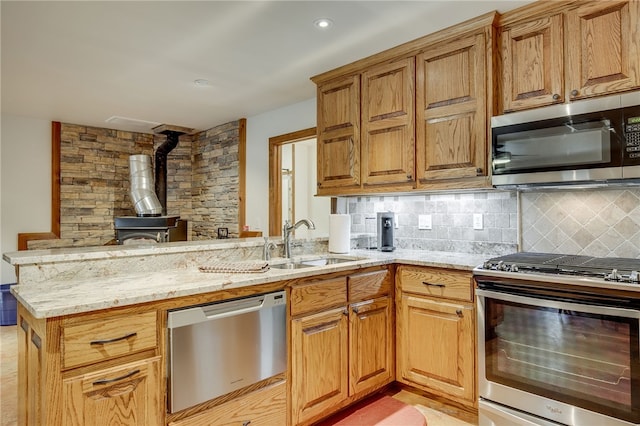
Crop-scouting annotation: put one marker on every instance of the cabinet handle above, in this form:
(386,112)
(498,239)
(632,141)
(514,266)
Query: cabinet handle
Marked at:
(459,313)
(102,342)
(247,423)
(574,92)
(117,379)
(409,177)
(479,171)
(345,312)
(556,96)
(433,285)
(356,310)
(24,325)
(35,339)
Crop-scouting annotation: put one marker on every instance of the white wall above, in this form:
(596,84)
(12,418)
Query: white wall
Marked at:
(259,129)
(25,182)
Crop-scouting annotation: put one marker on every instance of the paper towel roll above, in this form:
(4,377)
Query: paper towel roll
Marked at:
(339,233)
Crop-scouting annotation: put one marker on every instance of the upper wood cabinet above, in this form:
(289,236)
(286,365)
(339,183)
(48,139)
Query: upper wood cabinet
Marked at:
(562,51)
(424,108)
(452,110)
(603,48)
(338,142)
(366,129)
(388,119)
(532,63)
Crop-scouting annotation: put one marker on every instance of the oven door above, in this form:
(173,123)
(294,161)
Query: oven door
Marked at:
(547,353)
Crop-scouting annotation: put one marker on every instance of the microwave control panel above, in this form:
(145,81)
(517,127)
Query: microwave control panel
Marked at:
(632,137)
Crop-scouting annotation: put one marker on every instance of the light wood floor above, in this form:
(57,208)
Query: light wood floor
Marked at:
(436,412)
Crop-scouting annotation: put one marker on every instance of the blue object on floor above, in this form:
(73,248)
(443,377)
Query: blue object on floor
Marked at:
(8,306)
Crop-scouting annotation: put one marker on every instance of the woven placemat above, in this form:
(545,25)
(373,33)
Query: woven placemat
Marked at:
(236,267)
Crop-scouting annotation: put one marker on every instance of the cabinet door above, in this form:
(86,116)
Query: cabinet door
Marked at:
(338,141)
(603,48)
(388,119)
(436,347)
(319,368)
(451,110)
(370,344)
(123,395)
(532,60)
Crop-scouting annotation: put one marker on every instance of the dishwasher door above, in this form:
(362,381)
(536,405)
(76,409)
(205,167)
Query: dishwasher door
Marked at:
(217,348)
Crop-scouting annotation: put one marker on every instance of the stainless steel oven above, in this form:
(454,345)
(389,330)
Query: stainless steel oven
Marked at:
(556,346)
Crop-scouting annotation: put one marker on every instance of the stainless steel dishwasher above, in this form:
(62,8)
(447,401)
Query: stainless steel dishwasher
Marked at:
(217,348)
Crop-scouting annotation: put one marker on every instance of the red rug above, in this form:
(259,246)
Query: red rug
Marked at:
(379,410)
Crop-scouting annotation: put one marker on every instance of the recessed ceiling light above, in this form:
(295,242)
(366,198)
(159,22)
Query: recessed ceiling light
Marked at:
(201,82)
(323,23)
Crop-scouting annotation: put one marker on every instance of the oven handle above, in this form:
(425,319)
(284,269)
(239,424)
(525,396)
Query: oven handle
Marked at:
(556,304)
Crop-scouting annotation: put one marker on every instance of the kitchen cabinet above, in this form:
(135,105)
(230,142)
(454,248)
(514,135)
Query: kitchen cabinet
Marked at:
(264,407)
(388,119)
(451,98)
(127,394)
(424,109)
(90,369)
(338,142)
(366,129)
(602,54)
(341,342)
(436,332)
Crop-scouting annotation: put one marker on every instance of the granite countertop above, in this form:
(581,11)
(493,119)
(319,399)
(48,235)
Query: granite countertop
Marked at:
(68,296)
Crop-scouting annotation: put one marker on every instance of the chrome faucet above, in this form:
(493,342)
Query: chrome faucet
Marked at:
(266,250)
(286,233)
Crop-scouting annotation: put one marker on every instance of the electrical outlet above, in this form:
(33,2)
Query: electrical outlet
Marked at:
(424,221)
(477,221)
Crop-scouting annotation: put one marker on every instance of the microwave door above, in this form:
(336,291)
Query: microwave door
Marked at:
(556,150)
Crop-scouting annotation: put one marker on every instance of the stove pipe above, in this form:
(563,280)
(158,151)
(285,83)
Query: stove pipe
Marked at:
(173,134)
(141,191)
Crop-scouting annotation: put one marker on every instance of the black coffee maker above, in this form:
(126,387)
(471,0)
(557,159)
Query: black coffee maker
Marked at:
(385,231)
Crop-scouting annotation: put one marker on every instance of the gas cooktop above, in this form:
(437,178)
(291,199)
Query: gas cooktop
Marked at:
(606,269)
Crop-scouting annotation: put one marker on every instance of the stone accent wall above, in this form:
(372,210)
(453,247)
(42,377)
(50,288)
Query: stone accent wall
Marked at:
(202,182)
(215,181)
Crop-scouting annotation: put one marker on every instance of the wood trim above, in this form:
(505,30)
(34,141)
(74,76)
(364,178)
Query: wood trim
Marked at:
(242,172)
(275,183)
(24,238)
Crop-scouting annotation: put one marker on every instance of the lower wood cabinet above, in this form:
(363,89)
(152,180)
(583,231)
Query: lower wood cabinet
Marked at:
(342,352)
(264,407)
(127,394)
(436,332)
(319,363)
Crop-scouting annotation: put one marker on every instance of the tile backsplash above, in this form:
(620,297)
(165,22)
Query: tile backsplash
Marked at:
(603,222)
(451,221)
(594,222)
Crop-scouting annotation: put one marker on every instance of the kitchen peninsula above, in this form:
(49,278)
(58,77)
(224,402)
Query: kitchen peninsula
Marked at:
(69,299)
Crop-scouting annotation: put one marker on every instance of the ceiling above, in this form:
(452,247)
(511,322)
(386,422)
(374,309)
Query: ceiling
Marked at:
(86,62)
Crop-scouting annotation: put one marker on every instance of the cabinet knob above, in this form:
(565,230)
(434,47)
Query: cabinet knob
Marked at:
(479,171)
(345,312)
(409,177)
(459,313)
(556,96)
(574,92)
(356,310)
(247,423)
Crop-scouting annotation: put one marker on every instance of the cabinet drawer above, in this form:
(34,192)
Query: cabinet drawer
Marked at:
(267,406)
(102,339)
(369,285)
(436,282)
(318,295)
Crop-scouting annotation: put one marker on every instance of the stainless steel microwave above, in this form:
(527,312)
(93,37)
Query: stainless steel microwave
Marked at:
(591,141)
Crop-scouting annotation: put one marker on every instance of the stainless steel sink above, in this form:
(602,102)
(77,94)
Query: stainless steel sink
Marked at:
(319,261)
(322,261)
(291,265)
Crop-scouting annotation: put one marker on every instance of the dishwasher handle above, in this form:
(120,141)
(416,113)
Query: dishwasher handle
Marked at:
(214,311)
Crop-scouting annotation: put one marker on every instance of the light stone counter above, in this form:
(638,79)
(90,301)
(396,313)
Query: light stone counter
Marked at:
(65,293)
